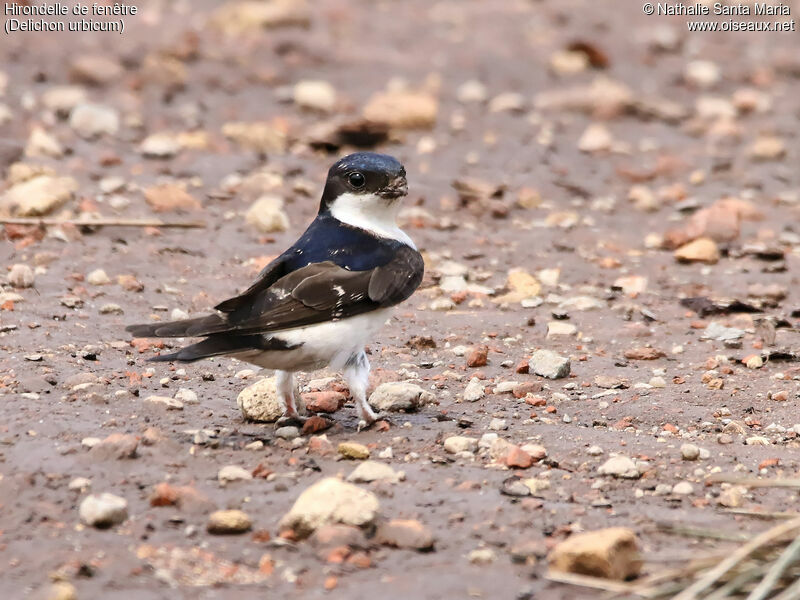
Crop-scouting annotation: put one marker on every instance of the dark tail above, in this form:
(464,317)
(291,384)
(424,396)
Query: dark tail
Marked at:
(187,328)
(219,345)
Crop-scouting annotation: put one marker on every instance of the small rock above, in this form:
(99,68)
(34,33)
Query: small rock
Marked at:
(644,353)
(619,466)
(700,250)
(459,443)
(165,401)
(170,197)
(683,488)
(117,446)
(62,590)
(546,363)
(79,484)
(224,522)
(482,556)
(315,95)
(288,432)
(768,148)
(186,396)
(160,145)
(402,110)
(471,91)
(478,356)
(331,501)
(498,424)
(371,470)
(327,402)
(21,276)
(404,533)
(93,120)
(610,553)
(103,510)
(98,277)
(556,328)
(231,473)
(517,458)
(690,452)
(267,215)
(95,69)
(474,390)
(399,397)
(42,144)
(596,138)
(702,73)
(260,401)
(353,450)
(38,195)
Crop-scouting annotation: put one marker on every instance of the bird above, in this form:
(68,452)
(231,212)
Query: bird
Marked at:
(318,303)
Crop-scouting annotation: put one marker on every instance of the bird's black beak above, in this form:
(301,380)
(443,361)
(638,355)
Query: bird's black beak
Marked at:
(397,188)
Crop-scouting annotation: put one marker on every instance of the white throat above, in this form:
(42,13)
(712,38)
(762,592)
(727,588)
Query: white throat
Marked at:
(371,213)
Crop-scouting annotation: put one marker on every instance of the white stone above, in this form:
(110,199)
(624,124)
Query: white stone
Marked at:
(398,396)
(103,510)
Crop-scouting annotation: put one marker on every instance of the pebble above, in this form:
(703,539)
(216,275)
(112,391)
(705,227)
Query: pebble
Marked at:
(700,250)
(371,470)
(224,522)
(498,424)
(165,401)
(611,553)
(231,473)
(186,396)
(170,197)
(315,95)
(702,73)
(61,590)
(459,443)
(690,452)
(260,401)
(471,91)
(556,328)
(547,363)
(482,556)
(596,138)
(404,533)
(267,215)
(331,501)
(399,397)
(288,432)
(38,196)
(353,450)
(402,110)
(61,99)
(619,466)
(103,510)
(79,484)
(474,390)
(160,145)
(21,276)
(683,488)
(98,277)
(93,120)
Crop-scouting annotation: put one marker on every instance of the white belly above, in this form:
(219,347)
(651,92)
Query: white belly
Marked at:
(321,345)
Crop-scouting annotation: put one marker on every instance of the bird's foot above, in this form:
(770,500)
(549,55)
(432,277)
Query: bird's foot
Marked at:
(291,420)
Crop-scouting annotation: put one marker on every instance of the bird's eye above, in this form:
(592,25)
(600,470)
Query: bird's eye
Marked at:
(356,180)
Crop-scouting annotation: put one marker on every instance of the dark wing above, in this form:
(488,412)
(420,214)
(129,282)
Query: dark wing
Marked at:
(269,275)
(316,293)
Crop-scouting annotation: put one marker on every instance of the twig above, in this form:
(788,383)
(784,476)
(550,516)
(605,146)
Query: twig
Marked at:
(99,222)
(702,584)
(754,482)
(759,514)
(737,582)
(597,583)
(767,584)
(699,532)
(790,593)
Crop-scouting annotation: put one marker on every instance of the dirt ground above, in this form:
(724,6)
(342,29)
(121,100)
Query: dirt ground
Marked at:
(585,144)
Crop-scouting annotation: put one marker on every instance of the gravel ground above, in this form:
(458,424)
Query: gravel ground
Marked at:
(577,175)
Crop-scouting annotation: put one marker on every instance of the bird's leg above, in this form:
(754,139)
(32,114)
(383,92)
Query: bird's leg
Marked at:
(285,384)
(356,374)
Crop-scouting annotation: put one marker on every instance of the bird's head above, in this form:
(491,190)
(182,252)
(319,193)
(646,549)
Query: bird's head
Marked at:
(364,185)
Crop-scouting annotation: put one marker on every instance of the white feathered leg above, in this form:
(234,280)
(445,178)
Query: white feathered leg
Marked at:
(356,374)
(284,381)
